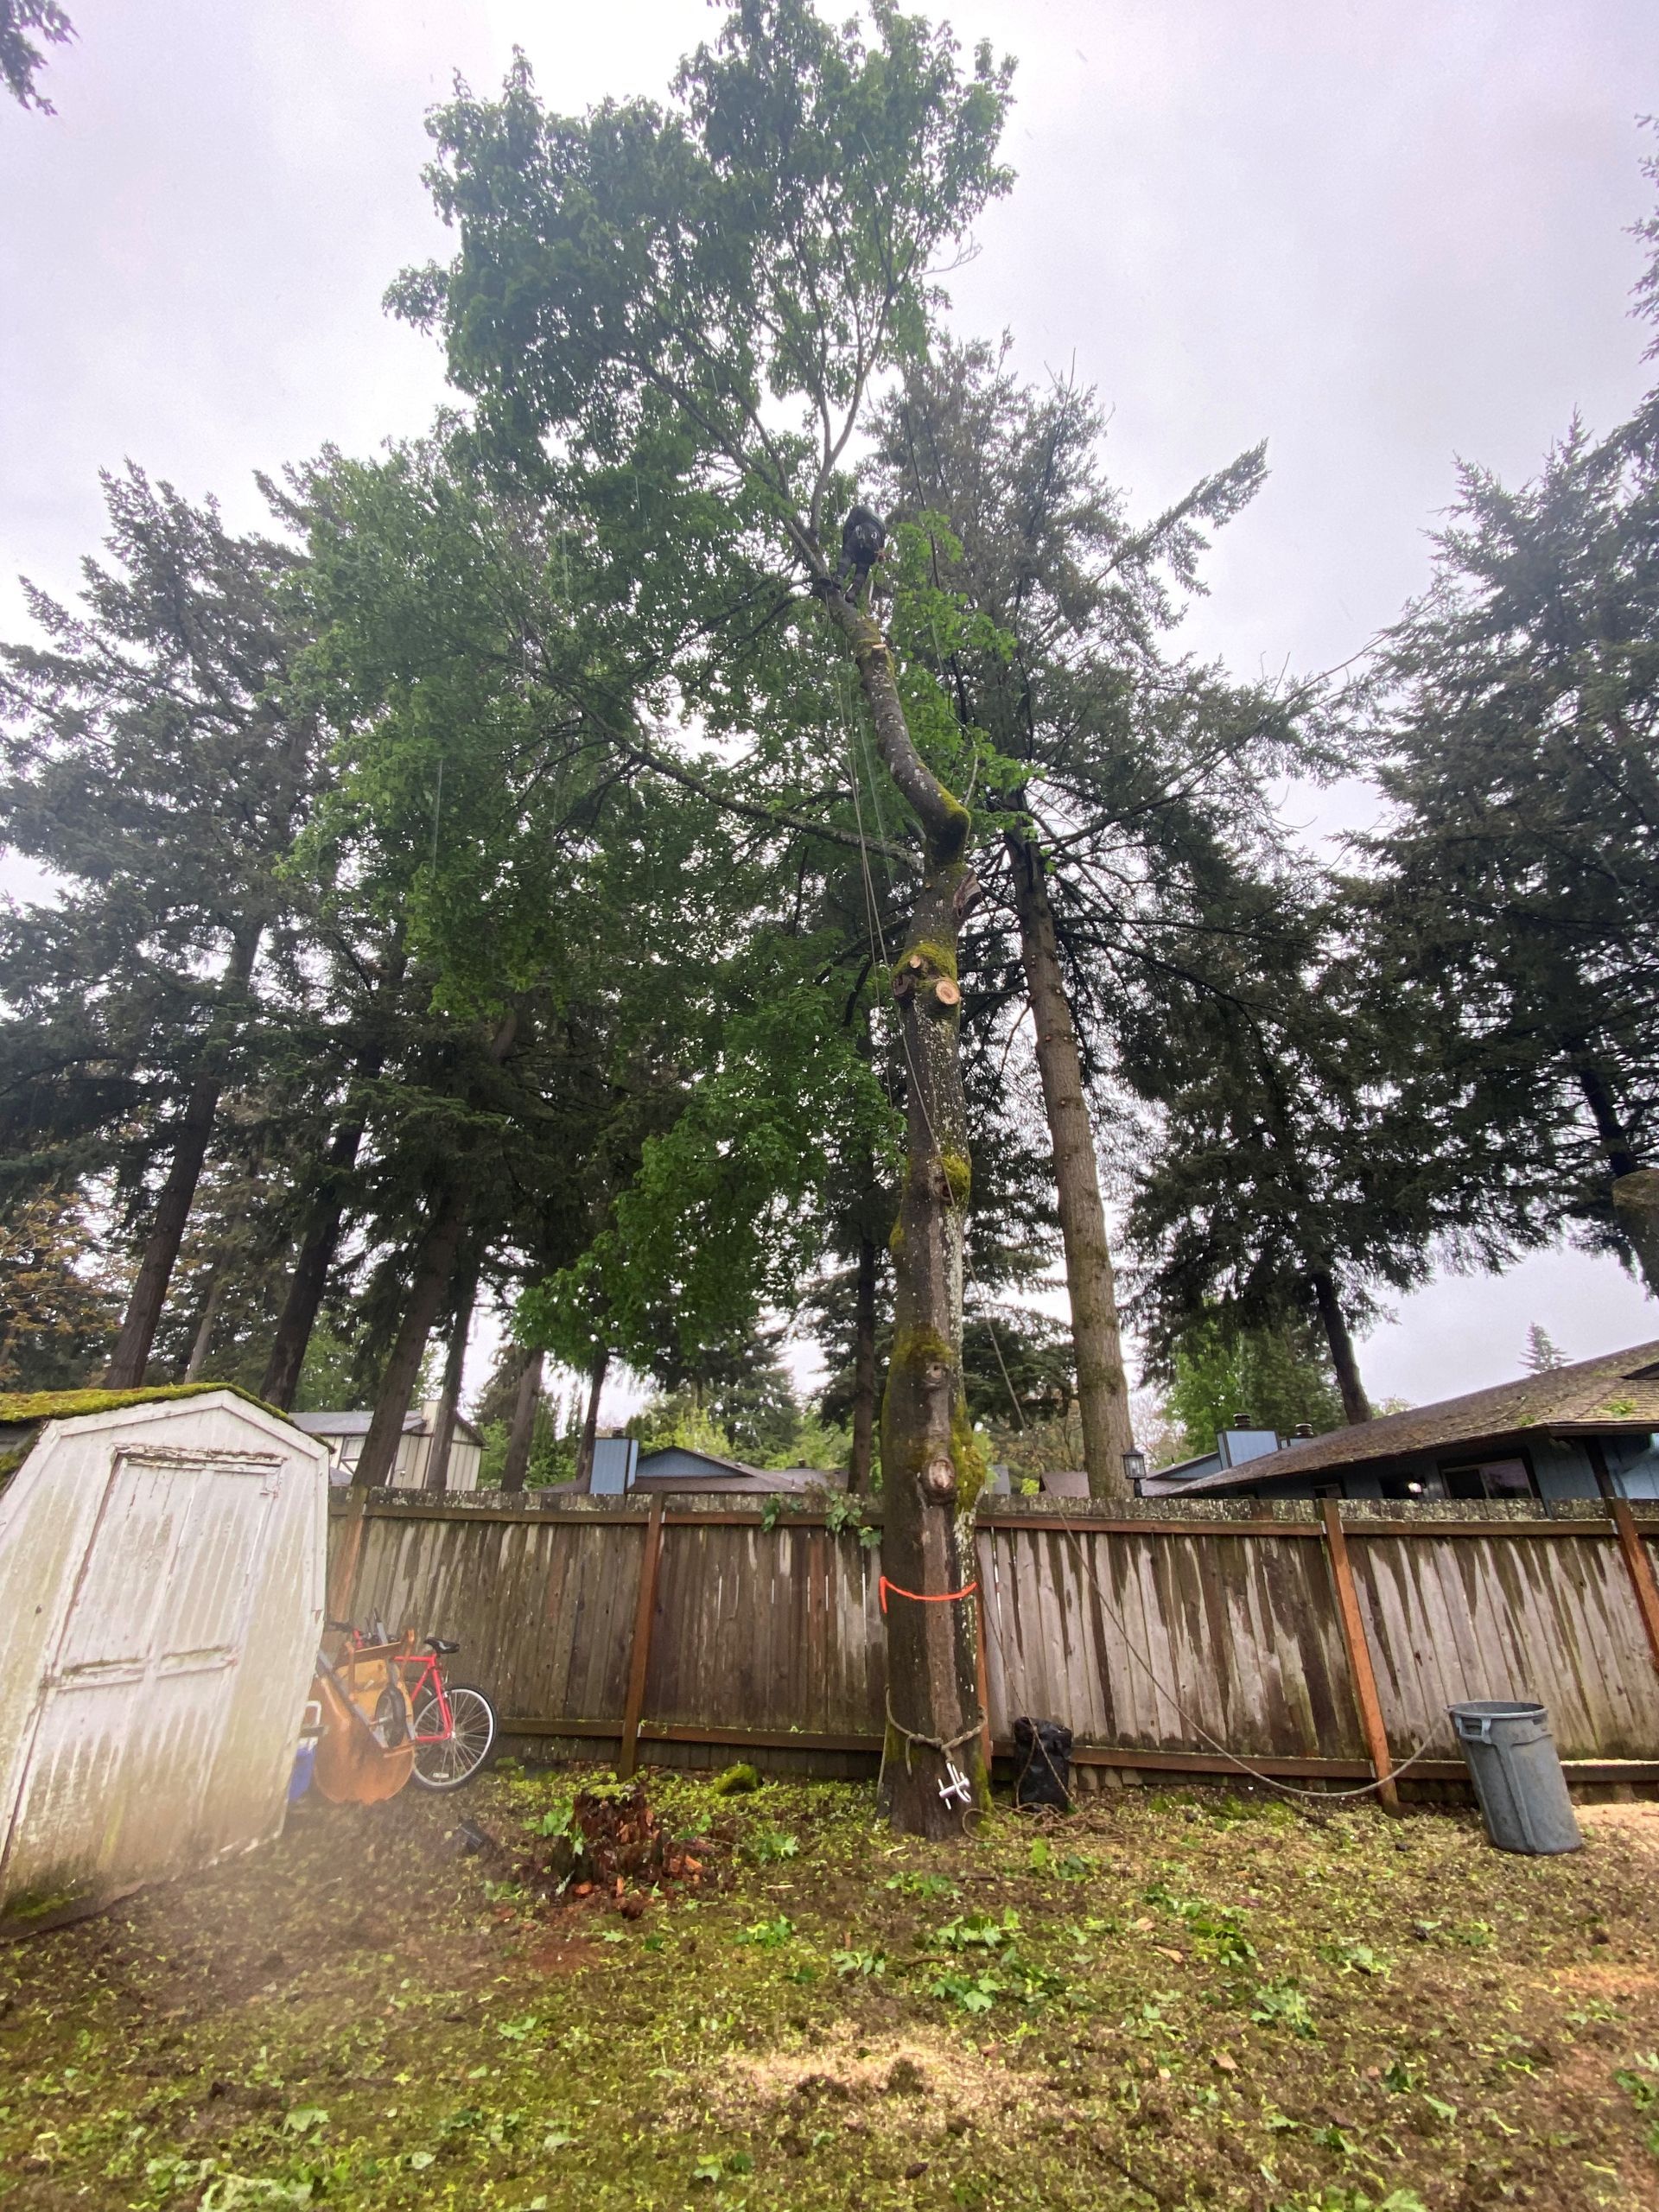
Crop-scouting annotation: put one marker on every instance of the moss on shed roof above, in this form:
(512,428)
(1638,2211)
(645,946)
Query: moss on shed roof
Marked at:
(18,1406)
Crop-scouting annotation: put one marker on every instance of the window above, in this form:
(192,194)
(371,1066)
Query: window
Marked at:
(1490,1478)
(1414,1486)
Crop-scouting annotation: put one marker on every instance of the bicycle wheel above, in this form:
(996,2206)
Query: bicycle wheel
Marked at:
(456,1757)
(389,1725)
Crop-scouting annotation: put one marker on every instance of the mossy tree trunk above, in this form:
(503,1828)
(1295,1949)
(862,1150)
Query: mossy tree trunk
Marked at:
(435,1267)
(1103,1388)
(443,1433)
(590,1422)
(522,1433)
(306,1285)
(434,1272)
(864,1376)
(202,1344)
(932,1468)
(329,1194)
(1355,1406)
(130,1356)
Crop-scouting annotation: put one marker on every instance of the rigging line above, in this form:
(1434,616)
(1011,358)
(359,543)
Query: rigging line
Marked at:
(862,751)
(1267,1781)
(875,796)
(875,909)
(871,915)
(996,1345)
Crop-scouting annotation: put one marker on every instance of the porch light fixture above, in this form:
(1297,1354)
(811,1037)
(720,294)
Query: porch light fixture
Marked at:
(1134,1467)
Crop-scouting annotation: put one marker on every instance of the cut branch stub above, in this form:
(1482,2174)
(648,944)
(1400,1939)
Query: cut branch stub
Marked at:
(939,1481)
(946,992)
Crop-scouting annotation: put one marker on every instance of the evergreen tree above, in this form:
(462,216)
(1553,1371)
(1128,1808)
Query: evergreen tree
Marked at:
(1116,770)
(1541,1354)
(158,761)
(20,60)
(58,1303)
(1293,1173)
(513,1042)
(1227,1378)
(1515,884)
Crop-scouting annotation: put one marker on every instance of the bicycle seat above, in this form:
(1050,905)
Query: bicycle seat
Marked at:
(441,1645)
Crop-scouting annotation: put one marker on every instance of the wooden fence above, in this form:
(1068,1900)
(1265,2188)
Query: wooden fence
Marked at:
(1317,1641)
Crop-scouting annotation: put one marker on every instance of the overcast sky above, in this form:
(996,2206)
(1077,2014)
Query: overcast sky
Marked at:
(1380,234)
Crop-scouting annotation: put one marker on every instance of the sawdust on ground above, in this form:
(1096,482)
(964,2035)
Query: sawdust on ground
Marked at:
(1637,1824)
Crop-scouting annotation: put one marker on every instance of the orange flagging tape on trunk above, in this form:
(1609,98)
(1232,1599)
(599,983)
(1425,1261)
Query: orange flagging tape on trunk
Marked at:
(924,1597)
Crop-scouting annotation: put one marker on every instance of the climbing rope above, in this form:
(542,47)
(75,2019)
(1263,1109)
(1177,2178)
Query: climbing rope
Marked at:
(942,1744)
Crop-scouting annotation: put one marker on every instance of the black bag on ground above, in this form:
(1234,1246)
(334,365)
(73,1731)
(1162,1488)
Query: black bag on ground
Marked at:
(1043,1749)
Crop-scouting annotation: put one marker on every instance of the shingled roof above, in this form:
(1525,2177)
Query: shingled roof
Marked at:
(1618,1391)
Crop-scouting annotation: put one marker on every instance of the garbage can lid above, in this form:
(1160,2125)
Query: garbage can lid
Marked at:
(1496,1708)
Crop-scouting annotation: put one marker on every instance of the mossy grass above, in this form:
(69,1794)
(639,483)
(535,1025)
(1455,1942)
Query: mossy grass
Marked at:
(1196,1999)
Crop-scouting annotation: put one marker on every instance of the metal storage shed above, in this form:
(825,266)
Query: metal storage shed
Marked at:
(162,1577)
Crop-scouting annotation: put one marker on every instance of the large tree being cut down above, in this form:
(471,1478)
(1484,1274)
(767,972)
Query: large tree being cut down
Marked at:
(734,274)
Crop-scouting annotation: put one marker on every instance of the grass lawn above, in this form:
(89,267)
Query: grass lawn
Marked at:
(1181,2000)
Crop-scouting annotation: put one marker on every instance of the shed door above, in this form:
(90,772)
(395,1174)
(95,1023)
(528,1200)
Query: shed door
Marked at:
(134,1702)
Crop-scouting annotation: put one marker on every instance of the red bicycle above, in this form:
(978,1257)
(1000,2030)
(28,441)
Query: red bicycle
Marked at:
(452,1725)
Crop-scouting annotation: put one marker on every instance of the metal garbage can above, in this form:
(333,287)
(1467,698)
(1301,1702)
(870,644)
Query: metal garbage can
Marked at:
(1519,1785)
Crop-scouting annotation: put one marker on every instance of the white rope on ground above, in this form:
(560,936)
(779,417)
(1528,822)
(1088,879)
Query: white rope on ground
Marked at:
(1267,1781)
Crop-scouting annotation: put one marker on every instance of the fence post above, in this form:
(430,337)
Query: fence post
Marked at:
(639,1656)
(1634,1547)
(342,1573)
(1359,1654)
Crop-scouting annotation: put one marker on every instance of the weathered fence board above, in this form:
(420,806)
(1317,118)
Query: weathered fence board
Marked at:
(1484,1617)
(1161,1642)
(1135,1638)
(542,1608)
(772,1629)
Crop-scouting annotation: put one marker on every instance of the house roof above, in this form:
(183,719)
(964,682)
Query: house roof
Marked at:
(714,1461)
(716,1473)
(1619,1391)
(357,1424)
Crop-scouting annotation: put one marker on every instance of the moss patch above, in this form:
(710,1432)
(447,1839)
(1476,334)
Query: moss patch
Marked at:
(915,1348)
(67,1405)
(1186,2000)
(948,845)
(972,1467)
(937,960)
